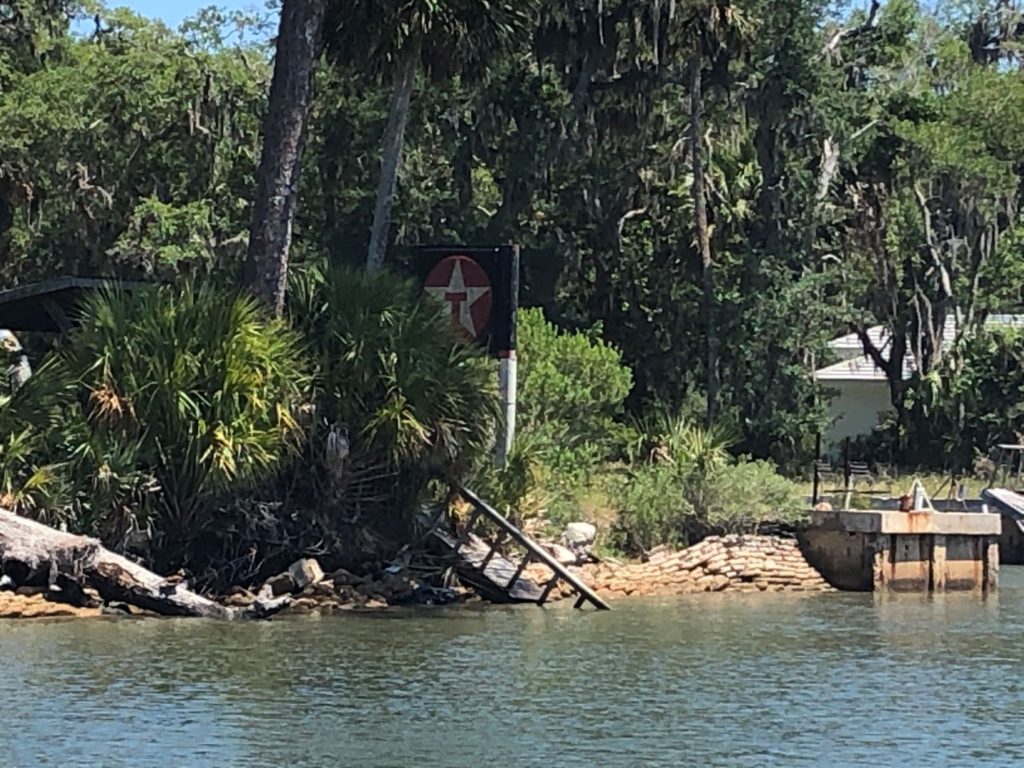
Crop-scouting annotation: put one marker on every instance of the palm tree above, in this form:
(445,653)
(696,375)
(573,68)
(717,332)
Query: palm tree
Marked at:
(284,129)
(400,37)
(717,31)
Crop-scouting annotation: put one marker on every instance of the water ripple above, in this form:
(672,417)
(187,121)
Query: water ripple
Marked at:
(765,680)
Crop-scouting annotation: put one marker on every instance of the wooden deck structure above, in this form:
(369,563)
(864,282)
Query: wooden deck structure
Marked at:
(50,306)
(499,578)
(1010,506)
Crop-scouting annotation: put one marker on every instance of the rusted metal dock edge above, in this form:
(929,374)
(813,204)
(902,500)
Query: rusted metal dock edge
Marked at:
(535,552)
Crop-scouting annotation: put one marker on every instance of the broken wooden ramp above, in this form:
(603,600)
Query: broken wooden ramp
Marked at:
(497,577)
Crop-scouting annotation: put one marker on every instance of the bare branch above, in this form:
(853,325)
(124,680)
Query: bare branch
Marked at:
(843,35)
(627,216)
(933,247)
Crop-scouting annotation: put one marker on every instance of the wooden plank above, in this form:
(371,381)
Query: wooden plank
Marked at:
(519,571)
(548,588)
(538,552)
(492,552)
(499,579)
(1009,503)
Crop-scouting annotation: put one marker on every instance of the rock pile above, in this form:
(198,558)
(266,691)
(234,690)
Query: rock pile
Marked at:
(574,545)
(718,564)
(342,590)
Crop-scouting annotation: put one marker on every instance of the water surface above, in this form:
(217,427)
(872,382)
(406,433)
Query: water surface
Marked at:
(723,680)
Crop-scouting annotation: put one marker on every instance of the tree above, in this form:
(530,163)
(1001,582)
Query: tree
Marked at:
(931,230)
(284,134)
(129,153)
(718,30)
(444,37)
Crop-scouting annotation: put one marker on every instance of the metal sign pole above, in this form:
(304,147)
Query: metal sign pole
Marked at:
(508,368)
(508,383)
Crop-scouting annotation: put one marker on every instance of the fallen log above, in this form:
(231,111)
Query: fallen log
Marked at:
(33,553)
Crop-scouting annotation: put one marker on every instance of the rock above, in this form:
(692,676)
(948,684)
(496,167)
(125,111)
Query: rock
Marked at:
(343,578)
(240,598)
(370,588)
(116,609)
(563,555)
(7,583)
(282,584)
(434,596)
(305,572)
(579,537)
(374,603)
(323,589)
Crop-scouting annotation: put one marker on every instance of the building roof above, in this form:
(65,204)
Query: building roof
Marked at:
(854,365)
(49,306)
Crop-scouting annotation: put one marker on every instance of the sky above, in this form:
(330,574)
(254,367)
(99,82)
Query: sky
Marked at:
(172,12)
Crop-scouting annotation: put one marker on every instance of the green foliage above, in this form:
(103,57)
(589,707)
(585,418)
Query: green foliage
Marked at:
(557,125)
(972,403)
(448,35)
(654,509)
(194,388)
(124,150)
(572,392)
(692,488)
(518,489)
(36,422)
(414,401)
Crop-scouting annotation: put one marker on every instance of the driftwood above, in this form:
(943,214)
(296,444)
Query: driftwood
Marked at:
(33,553)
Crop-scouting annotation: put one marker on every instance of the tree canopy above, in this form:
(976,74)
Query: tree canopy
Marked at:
(855,168)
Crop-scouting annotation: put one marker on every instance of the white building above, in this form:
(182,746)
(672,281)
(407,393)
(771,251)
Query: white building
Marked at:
(861,389)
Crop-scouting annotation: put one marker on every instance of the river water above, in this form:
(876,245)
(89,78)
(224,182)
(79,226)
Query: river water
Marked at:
(722,680)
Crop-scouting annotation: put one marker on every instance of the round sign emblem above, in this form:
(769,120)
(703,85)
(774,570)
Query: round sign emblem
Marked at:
(462,284)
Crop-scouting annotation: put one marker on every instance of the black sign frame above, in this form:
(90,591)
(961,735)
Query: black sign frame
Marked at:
(501,265)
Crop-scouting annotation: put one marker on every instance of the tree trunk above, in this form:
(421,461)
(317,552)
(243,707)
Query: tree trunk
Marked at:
(32,553)
(703,238)
(391,156)
(284,130)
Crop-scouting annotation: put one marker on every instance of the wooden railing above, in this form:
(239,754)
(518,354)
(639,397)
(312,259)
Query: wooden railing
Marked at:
(533,552)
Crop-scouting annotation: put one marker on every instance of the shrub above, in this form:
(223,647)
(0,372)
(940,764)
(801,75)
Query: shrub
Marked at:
(517,489)
(190,395)
(572,391)
(746,494)
(691,488)
(407,399)
(38,421)
(654,509)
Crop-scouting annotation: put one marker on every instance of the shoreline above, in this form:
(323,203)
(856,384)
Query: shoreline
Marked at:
(719,564)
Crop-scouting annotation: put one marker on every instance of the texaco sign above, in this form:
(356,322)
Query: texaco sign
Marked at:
(479,287)
(462,284)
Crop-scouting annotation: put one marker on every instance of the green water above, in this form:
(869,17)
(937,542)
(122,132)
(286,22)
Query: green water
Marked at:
(719,680)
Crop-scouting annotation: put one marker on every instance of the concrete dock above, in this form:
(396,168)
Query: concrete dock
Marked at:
(919,551)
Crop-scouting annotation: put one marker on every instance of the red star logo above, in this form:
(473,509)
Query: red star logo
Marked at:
(462,284)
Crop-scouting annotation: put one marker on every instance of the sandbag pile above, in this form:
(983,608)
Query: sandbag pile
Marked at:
(731,563)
